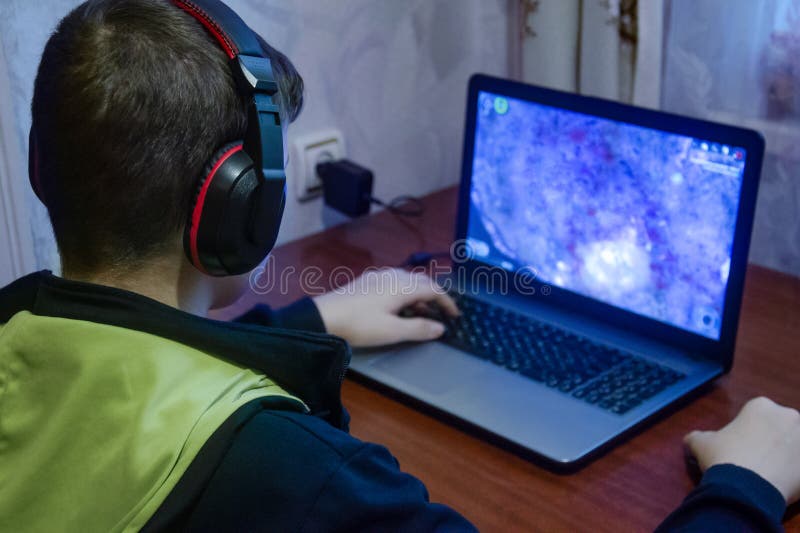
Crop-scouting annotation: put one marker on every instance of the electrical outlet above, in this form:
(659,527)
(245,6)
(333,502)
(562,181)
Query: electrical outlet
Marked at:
(307,152)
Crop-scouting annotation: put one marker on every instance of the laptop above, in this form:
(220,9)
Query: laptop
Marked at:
(599,262)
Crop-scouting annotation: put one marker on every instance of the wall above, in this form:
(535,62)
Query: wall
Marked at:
(391,75)
(15,235)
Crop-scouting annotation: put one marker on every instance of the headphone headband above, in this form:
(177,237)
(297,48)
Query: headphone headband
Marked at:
(234,36)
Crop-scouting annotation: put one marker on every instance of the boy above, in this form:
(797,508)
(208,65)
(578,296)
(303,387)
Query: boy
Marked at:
(123,408)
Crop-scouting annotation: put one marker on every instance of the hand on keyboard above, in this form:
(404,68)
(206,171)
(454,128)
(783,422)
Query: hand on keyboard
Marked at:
(386,307)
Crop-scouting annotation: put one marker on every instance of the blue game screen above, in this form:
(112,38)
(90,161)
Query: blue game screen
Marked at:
(634,217)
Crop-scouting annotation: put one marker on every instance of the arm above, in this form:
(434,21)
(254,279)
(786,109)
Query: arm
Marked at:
(751,472)
(728,498)
(366,311)
(368,492)
(293,472)
(302,314)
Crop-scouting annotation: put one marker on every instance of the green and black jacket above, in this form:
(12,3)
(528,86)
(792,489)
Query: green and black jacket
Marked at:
(118,413)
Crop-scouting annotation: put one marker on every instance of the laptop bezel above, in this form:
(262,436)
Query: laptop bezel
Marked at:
(719,351)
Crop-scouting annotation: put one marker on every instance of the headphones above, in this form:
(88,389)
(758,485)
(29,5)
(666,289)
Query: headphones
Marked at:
(236,213)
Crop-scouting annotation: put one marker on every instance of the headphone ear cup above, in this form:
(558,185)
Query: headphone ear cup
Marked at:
(216,159)
(235,215)
(197,235)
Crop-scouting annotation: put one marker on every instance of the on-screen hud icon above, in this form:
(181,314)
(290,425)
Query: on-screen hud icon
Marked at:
(500,105)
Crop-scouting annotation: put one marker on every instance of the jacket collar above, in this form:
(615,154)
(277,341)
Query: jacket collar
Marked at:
(308,365)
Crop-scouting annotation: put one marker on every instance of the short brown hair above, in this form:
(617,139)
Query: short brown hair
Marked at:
(131,99)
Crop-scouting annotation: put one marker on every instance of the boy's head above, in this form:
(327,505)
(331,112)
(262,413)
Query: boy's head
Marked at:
(131,100)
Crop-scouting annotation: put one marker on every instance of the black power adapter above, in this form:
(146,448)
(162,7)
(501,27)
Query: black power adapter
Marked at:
(347,187)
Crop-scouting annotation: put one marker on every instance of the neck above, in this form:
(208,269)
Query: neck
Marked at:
(166,280)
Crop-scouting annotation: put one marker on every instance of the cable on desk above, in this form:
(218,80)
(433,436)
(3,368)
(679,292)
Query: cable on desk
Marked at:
(405,205)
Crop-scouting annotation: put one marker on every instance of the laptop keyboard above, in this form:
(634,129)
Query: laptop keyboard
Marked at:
(610,378)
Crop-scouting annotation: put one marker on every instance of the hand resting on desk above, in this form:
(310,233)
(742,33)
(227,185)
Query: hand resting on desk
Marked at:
(764,437)
(366,311)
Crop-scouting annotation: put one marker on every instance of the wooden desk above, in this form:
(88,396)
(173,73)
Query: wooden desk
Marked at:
(631,488)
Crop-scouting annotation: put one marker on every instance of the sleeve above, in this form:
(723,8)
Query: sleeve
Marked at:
(369,492)
(287,471)
(302,314)
(729,498)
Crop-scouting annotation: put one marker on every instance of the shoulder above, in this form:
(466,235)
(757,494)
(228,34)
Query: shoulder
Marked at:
(296,442)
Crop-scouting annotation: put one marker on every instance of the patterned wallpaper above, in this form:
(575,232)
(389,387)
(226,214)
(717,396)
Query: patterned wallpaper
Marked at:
(391,75)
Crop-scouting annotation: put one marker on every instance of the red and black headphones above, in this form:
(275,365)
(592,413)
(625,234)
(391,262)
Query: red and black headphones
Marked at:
(236,214)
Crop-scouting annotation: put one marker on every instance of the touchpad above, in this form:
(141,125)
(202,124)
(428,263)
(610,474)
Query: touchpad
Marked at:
(432,367)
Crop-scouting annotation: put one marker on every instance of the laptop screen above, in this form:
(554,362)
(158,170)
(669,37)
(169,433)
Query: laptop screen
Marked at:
(634,217)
